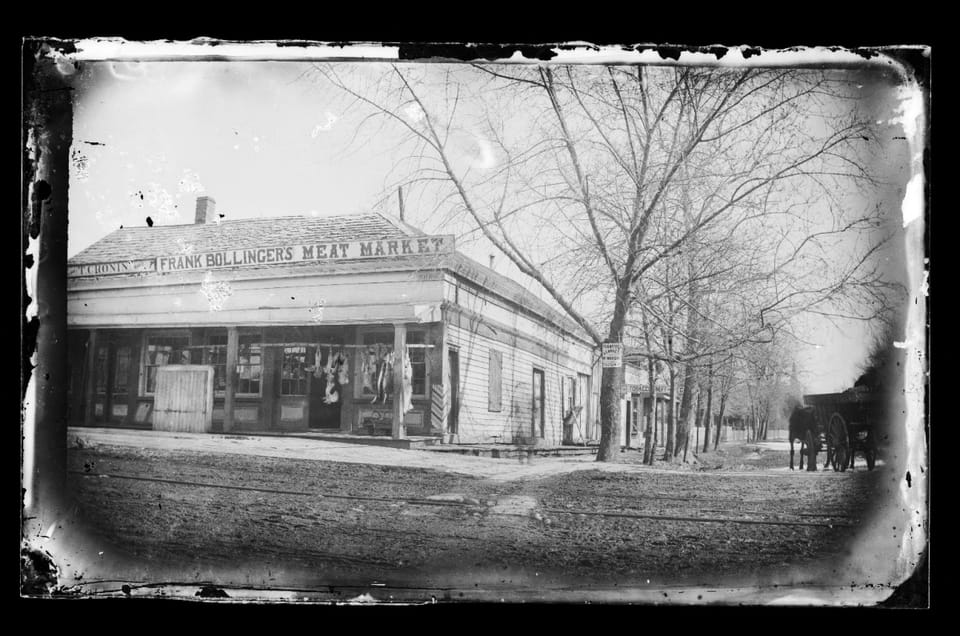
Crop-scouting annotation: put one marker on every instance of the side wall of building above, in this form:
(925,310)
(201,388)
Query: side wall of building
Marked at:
(480,326)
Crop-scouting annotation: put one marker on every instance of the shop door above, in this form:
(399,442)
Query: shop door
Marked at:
(628,425)
(538,404)
(323,414)
(454,363)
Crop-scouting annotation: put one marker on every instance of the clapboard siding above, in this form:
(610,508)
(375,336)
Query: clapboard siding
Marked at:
(514,421)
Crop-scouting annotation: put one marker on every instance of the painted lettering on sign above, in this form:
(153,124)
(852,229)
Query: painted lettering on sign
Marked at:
(276,255)
(305,253)
(107,269)
(612,355)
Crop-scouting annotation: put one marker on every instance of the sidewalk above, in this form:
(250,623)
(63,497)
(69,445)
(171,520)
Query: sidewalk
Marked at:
(325,450)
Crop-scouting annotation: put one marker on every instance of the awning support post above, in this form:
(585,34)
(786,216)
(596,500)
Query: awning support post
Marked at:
(398,430)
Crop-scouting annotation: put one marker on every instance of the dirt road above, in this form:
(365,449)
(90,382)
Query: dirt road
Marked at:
(280,513)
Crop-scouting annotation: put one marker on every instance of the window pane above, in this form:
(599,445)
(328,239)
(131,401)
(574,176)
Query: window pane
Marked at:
(121,370)
(215,354)
(418,362)
(249,363)
(293,375)
(101,370)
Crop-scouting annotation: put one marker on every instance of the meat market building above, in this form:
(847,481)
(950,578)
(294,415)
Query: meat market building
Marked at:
(358,324)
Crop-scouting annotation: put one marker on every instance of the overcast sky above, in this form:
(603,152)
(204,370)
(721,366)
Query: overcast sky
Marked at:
(264,141)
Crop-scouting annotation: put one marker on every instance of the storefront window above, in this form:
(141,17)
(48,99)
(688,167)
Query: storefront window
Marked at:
(100,373)
(294,378)
(215,354)
(249,365)
(161,351)
(121,369)
(378,345)
(418,361)
(368,358)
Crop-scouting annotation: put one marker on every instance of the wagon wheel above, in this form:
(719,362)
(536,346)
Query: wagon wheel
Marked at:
(870,451)
(839,441)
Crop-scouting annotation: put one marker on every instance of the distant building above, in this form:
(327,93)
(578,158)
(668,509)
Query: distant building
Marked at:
(636,404)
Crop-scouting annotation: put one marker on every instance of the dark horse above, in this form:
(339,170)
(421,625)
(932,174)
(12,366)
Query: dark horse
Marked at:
(803,427)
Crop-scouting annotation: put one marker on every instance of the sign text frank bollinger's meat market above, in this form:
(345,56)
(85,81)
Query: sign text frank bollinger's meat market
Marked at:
(351,250)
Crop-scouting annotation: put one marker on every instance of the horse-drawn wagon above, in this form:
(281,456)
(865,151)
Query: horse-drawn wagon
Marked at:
(847,425)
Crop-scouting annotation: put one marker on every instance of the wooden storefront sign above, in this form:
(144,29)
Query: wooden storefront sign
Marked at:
(272,255)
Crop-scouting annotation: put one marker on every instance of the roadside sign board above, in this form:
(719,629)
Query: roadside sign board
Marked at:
(612,355)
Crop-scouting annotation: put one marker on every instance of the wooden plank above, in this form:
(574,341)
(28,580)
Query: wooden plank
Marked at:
(233,341)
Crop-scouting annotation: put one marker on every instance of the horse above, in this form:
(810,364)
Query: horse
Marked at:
(803,427)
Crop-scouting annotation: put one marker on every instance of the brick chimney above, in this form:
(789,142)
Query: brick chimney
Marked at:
(206,211)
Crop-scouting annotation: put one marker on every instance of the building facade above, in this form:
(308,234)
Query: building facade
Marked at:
(351,324)
(636,405)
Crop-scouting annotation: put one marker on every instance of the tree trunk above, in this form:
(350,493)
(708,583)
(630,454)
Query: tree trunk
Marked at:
(706,430)
(671,413)
(611,386)
(649,414)
(686,401)
(723,403)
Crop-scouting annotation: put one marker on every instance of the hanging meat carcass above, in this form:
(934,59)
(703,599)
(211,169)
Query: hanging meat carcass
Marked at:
(343,369)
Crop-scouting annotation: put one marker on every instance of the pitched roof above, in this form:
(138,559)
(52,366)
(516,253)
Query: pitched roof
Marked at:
(509,289)
(164,240)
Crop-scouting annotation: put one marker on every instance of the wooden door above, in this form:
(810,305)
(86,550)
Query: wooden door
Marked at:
(454,363)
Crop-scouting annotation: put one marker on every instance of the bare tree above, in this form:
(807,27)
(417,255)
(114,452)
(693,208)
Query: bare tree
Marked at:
(600,160)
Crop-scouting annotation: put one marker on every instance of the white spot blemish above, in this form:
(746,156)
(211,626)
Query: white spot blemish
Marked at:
(185,248)
(319,128)
(317,310)
(190,183)
(900,345)
(414,113)
(487,159)
(912,205)
(215,291)
(81,165)
(33,249)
